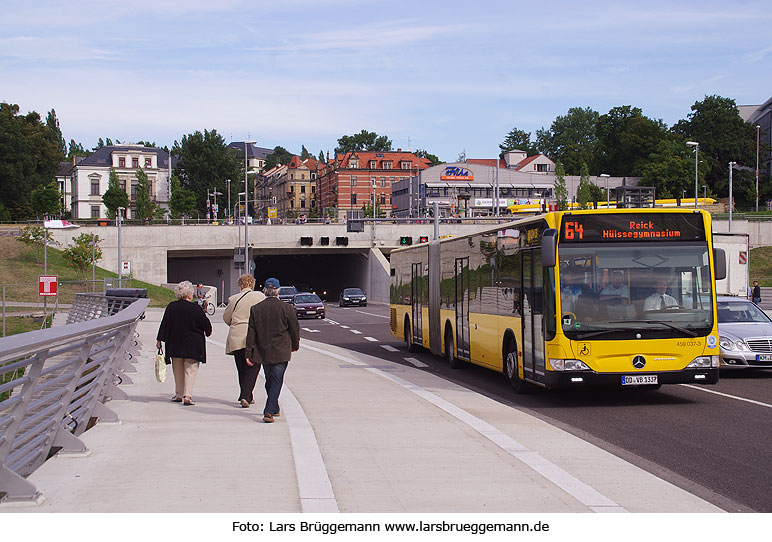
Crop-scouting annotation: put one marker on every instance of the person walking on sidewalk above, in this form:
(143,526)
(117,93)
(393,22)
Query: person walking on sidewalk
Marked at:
(272,335)
(183,328)
(756,294)
(236,315)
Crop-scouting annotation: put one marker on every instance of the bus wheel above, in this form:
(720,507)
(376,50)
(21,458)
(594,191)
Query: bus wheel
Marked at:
(409,337)
(453,361)
(510,368)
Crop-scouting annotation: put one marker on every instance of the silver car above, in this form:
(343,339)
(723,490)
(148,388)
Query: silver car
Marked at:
(745,334)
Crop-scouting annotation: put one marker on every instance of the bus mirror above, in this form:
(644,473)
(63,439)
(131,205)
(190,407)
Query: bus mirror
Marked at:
(719,263)
(549,242)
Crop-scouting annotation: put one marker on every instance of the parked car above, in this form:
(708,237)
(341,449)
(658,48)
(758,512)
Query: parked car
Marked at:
(745,334)
(352,296)
(286,293)
(308,306)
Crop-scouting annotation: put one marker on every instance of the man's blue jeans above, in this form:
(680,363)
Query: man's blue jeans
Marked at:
(274,378)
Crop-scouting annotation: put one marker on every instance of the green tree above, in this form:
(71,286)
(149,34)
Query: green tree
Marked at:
(724,137)
(206,162)
(54,133)
(280,155)
(35,236)
(304,153)
(367,209)
(45,200)
(30,153)
(321,157)
(561,192)
(76,149)
(584,190)
(518,140)
(81,255)
(626,139)
(363,141)
(182,201)
(670,169)
(421,153)
(572,139)
(115,196)
(146,207)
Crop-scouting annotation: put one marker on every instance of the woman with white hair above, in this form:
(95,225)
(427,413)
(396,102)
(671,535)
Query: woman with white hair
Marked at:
(183,329)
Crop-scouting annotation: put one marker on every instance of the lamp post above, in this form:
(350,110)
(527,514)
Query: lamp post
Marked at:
(214,209)
(731,166)
(228,208)
(696,146)
(704,194)
(758,129)
(606,175)
(93,271)
(246,208)
(120,262)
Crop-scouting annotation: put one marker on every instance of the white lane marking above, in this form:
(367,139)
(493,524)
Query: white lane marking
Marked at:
(310,330)
(344,327)
(332,321)
(355,331)
(389,348)
(371,314)
(584,493)
(416,362)
(314,487)
(727,395)
(371,339)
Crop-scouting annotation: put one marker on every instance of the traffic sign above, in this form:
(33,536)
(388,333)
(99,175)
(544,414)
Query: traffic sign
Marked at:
(125,268)
(47,285)
(743,257)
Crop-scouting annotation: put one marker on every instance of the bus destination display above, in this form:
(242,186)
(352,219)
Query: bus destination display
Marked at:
(627,227)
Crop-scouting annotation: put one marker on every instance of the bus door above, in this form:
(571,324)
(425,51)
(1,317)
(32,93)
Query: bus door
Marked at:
(533,333)
(462,308)
(416,299)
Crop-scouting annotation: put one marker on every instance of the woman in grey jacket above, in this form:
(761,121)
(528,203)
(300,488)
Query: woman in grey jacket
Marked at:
(236,315)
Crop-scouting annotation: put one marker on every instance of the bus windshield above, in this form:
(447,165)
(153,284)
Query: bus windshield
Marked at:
(621,290)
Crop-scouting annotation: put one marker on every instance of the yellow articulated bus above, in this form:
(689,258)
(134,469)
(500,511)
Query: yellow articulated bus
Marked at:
(617,297)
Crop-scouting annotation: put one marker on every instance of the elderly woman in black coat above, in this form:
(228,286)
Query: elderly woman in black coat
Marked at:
(182,328)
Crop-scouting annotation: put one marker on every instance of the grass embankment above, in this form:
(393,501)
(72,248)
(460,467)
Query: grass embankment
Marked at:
(20,266)
(761,265)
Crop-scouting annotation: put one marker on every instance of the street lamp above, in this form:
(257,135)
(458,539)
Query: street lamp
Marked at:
(120,263)
(228,208)
(696,146)
(246,208)
(731,166)
(758,129)
(704,194)
(606,175)
(93,272)
(214,209)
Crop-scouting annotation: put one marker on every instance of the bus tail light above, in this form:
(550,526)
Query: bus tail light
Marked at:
(568,365)
(703,362)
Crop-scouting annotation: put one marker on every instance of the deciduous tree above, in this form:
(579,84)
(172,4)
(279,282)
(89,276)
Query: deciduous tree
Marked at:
(518,140)
(363,141)
(115,196)
(572,139)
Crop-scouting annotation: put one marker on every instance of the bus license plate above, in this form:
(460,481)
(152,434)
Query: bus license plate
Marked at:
(639,380)
(763,357)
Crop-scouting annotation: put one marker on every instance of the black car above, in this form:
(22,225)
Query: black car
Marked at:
(308,306)
(353,296)
(286,293)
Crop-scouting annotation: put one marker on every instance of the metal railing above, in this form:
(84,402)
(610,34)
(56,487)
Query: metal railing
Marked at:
(54,382)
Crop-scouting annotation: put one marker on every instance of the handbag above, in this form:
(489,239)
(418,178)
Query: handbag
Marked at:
(160,366)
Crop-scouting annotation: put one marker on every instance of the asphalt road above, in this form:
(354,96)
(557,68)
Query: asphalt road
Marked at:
(714,441)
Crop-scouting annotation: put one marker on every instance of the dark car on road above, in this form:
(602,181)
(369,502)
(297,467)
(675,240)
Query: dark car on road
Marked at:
(352,296)
(286,293)
(308,306)
(745,334)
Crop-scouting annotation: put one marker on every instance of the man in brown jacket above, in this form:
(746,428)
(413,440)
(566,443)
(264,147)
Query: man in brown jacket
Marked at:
(273,334)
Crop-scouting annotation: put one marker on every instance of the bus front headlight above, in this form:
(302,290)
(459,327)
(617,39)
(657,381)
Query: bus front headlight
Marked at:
(703,362)
(568,365)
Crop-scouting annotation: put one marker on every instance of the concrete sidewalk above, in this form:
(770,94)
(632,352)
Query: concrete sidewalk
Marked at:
(356,434)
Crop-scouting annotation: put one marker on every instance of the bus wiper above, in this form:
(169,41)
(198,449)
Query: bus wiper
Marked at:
(668,324)
(589,334)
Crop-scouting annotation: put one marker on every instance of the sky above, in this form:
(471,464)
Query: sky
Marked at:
(444,76)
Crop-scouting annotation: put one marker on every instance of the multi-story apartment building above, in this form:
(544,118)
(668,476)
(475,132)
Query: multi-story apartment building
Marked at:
(90,176)
(353,179)
(292,185)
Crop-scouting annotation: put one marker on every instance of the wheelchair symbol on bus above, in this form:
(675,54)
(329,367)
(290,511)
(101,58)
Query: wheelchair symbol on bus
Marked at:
(585,350)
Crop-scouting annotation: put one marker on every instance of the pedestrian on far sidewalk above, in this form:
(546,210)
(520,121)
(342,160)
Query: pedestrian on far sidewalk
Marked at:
(756,292)
(236,315)
(273,334)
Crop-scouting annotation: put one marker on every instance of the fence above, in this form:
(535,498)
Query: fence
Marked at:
(54,383)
